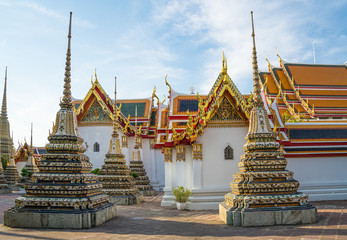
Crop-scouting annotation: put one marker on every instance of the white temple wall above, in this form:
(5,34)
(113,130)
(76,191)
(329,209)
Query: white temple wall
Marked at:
(322,178)
(216,171)
(160,167)
(100,134)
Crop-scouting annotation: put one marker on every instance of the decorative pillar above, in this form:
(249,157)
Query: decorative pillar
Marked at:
(153,165)
(197,165)
(180,165)
(125,141)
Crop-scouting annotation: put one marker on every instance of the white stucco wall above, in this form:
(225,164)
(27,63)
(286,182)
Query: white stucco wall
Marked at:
(322,178)
(100,134)
(216,171)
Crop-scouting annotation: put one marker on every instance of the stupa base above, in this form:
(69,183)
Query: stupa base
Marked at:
(147,192)
(125,199)
(5,190)
(267,216)
(55,219)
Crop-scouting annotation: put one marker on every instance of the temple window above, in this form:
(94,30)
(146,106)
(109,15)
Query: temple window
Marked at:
(96,147)
(228,153)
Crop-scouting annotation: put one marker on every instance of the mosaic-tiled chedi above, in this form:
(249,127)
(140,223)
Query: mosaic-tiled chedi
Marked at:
(11,173)
(136,165)
(6,143)
(263,192)
(115,174)
(31,164)
(3,184)
(64,194)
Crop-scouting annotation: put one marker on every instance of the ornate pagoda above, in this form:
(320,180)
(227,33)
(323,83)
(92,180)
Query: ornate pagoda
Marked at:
(136,166)
(64,194)
(3,184)
(115,174)
(11,173)
(31,164)
(263,192)
(6,143)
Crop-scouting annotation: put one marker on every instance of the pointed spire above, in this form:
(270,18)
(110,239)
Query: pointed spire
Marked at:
(224,65)
(66,100)
(4,99)
(31,141)
(96,77)
(115,112)
(257,102)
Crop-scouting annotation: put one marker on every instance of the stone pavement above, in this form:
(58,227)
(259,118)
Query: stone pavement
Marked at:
(149,221)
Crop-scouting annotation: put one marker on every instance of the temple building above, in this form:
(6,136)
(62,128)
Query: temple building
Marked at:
(63,194)
(188,138)
(6,142)
(94,119)
(21,156)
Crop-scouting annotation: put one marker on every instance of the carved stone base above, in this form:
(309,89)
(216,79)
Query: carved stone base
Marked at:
(5,190)
(125,199)
(267,216)
(59,219)
(147,192)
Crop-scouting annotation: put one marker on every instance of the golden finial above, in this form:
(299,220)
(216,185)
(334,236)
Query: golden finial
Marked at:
(257,102)
(91,79)
(164,99)
(66,100)
(154,95)
(96,78)
(224,64)
(167,84)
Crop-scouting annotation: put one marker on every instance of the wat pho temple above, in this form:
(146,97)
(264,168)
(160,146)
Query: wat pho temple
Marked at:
(253,156)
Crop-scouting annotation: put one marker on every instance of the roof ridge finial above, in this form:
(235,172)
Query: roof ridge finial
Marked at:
(224,64)
(96,78)
(4,99)
(257,102)
(66,100)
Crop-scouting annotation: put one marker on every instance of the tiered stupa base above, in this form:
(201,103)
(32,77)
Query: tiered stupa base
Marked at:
(142,181)
(267,216)
(4,188)
(59,219)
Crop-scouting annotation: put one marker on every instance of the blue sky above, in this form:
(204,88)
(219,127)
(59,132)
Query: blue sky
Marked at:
(142,41)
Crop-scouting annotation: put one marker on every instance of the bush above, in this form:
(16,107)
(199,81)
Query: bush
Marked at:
(4,162)
(134,174)
(181,193)
(24,172)
(96,171)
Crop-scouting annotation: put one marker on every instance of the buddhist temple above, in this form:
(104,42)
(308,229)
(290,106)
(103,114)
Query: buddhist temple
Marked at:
(186,138)
(263,192)
(6,143)
(94,119)
(136,166)
(31,164)
(63,194)
(4,188)
(115,174)
(22,155)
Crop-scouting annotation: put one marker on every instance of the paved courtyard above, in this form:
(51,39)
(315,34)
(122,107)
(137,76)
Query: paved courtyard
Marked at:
(150,221)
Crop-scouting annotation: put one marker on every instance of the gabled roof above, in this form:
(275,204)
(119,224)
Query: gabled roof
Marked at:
(307,90)
(97,95)
(223,91)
